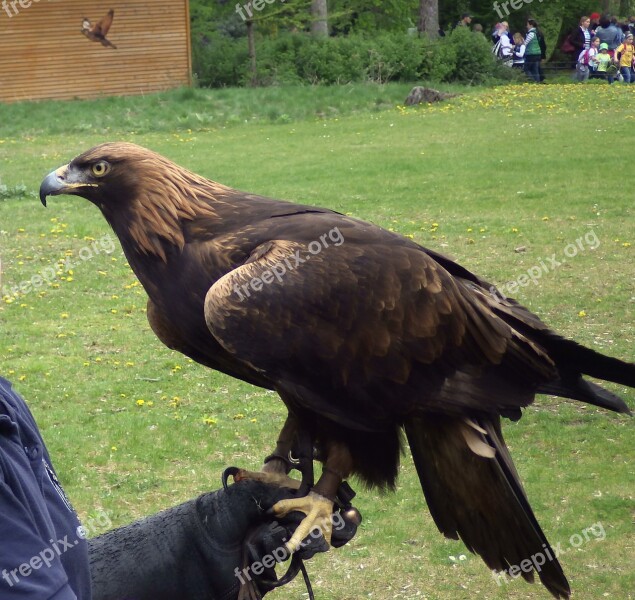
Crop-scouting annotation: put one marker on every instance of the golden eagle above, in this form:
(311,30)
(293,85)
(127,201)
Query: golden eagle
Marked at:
(363,333)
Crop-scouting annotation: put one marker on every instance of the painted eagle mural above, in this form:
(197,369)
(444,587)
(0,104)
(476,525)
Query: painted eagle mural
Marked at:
(364,334)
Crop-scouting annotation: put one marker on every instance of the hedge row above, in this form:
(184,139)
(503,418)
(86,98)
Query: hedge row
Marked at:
(462,56)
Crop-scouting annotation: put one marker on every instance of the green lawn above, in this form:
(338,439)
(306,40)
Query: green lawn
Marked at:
(506,180)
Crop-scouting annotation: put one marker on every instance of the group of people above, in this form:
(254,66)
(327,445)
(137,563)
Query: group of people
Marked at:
(603,49)
(521,52)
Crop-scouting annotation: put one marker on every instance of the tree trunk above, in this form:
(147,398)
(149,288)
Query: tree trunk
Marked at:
(319,21)
(428,18)
(626,8)
(251,45)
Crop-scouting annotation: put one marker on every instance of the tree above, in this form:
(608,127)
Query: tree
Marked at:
(428,18)
(251,45)
(319,20)
(626,8)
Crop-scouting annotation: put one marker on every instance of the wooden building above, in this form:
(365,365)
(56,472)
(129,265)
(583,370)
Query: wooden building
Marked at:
(43,53)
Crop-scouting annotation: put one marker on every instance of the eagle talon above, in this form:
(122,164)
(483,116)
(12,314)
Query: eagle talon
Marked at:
(227,473)
(279,479)
(319,515)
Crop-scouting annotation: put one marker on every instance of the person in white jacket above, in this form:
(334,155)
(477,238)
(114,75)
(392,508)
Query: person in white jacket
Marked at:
(503,48)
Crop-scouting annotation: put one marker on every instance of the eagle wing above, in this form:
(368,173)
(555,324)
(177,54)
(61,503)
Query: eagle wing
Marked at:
(371,329)
(103,25)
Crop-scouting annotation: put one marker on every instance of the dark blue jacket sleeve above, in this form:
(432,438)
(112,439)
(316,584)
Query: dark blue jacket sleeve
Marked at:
(43,555)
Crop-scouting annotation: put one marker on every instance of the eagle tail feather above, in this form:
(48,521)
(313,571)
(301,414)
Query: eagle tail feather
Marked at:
(578,388)
(479,498)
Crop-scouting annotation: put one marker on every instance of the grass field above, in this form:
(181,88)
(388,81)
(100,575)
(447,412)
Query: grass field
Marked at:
(509,181)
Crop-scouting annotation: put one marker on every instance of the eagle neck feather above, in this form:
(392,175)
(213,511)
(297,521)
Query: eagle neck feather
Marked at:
(168,197)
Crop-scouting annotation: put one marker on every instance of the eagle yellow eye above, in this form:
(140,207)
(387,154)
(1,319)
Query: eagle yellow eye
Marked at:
(101,168)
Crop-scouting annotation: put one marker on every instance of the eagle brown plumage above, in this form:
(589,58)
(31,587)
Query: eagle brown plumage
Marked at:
(365,335)
(99,31)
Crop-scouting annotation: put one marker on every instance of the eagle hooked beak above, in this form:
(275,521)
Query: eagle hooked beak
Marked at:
(65,180)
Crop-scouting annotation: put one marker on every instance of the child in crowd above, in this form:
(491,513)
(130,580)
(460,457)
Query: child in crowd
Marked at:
(625,62)
(605,64)
(519,51)
(587,61)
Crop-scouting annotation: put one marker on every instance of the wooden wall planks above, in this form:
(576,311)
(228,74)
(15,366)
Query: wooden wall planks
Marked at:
(43,53)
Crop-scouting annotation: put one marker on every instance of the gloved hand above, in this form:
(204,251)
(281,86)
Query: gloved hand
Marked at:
(209,548)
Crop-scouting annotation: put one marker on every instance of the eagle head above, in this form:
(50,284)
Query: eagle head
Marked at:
(105,175)
(143,195)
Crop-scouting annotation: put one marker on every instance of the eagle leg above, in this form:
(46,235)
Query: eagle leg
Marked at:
(294,450)
(280,461)
(304,455)
(318,504)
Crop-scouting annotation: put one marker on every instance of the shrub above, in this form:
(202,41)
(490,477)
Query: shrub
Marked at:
(332,60)
(277,60)
(395,58)
(474,61)
(462,56)
(439,61)
(218,60)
